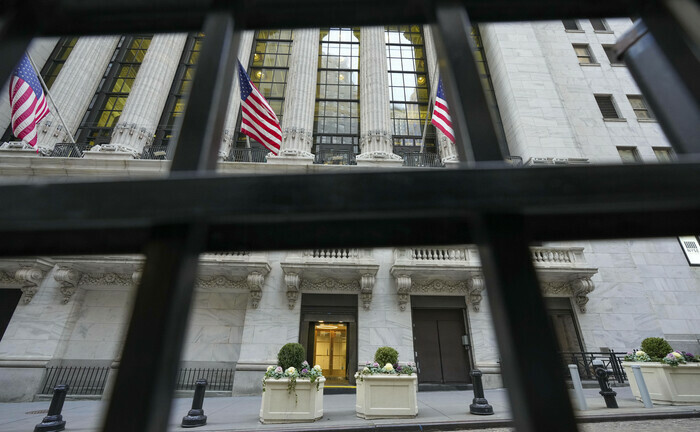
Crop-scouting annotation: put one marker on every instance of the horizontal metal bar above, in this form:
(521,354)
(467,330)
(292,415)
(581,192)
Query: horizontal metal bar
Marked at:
(390,194)
(64,17)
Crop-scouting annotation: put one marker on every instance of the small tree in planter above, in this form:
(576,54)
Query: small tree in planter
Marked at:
(672,377)
(385,388)
(293,390)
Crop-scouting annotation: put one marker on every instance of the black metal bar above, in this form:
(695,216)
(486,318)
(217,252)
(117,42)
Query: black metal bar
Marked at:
(537,393)
(475,134)
(670,98)
(163,300)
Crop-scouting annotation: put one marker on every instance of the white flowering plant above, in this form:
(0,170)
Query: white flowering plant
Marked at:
(674,358)
(307,372)
(637,356)
(374,368)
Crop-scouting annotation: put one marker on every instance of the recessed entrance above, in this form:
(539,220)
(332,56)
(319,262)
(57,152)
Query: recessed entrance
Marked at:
(330,351)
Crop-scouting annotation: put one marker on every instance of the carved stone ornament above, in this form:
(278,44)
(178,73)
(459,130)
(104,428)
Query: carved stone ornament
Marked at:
(106,279)
(136,275)
(68,278)
(581,288)
(222,282)
(330,285)
(476,286)
(403,288)
(255,283)
(292,281)
(30,278)
(6,279)
(366,286)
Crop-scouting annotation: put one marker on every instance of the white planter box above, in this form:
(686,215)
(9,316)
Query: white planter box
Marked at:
(387,396)
(667,385)
(281,406)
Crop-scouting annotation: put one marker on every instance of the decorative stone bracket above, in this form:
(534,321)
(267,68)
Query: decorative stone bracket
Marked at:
(472,287)
(292,281)
(30,278)
(68,278)
(578,288)
(255,282)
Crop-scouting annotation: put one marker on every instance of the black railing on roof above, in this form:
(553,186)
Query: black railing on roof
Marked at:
(417,159)
(157,152)
(256,155)
(81,380)
(584,360)
(335,157)
(67,150)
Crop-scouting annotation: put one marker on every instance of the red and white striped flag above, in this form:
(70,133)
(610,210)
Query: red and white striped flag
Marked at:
(258,120)
(441,115)
(27,101)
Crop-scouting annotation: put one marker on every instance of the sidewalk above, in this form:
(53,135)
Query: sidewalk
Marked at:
(447,410)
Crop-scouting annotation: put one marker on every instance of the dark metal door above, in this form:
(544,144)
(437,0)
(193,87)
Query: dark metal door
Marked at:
(439,352)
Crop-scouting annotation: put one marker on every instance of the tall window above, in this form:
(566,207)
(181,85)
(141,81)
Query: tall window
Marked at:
(583,52)
(49,72)
(607,107)
(177,99)
(337,114)
(268,70)
(409,88)
(641,110)
(109,100)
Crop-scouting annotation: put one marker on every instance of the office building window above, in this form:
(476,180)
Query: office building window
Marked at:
(337,113)
(409,88)
(639,105)
(571,25)
(664,154)
(269,65)
(610,53)
(607,107)
(583,52)
(599,24)
(628,155)
(177,99)
(114,88)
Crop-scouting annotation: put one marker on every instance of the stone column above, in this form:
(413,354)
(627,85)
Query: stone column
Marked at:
(234,103)
(75,86)
(447,149)
(144,106)
(300,96)
(375,119)
(40,49)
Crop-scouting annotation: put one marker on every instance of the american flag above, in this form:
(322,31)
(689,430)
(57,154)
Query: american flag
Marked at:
(258,119)
(441,114)
(27,101)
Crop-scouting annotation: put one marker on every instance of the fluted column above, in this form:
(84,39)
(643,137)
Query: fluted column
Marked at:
(300,95)
(375,117)
(447,149)
(144,106)
(75,86)
(40,49)
(234,102)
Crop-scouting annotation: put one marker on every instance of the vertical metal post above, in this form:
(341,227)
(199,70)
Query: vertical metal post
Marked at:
(471,116)
(53,421)
(147,375)
(538,395)
(643,391)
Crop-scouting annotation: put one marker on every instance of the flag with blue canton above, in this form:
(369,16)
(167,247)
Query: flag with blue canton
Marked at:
(441,114)
(258,120)
(27,101)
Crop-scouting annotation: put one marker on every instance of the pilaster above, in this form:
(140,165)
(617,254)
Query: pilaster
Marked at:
(144,106)
(375,118)
(234,102)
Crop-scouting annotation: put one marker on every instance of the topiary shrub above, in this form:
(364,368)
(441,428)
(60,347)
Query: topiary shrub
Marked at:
(291,355)
(656,347)
(386,355)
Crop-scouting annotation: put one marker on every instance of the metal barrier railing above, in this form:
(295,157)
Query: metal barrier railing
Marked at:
(82,380)
(586,370)
(256,155)
(157,152)
(217,379)
(68,150)
(335,157)
(422,160)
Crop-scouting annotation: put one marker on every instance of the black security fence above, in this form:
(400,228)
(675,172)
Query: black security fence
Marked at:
(81,380)
(217,379)
(585,362)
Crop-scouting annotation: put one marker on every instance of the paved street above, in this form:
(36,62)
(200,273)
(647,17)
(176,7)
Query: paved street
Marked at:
(667,425)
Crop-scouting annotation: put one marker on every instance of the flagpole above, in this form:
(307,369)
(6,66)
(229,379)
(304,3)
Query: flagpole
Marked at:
(431,107)
(48,94)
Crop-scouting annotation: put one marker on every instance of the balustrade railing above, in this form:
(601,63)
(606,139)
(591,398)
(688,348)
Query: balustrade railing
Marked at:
(413,159)
(256,155)
(443,254)
(553,256)
(332,253)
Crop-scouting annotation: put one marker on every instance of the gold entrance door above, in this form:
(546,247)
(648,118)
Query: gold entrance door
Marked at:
(330,351)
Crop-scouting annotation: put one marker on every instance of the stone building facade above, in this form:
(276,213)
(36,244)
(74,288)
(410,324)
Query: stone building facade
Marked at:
(346,98)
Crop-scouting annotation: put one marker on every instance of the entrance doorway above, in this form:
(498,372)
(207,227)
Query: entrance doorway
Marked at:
(330,351)
(438,342)
(9,298)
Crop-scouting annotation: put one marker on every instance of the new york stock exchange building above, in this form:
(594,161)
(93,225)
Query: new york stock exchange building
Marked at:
(346,99)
